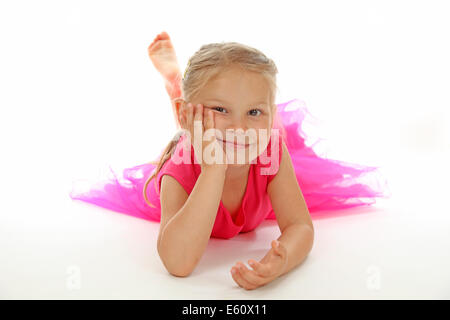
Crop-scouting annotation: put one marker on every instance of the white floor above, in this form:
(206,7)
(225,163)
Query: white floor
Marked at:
(400,248)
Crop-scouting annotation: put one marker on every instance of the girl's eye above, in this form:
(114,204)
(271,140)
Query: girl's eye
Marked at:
(257,110)
(220,109)
(253,112)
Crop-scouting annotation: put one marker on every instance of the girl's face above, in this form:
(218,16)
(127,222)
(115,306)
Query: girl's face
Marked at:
(239,100)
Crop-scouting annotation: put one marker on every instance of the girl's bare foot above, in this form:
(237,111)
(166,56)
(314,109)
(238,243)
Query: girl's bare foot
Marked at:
(163,57)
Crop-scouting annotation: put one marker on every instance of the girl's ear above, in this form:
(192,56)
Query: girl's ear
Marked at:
(177,103)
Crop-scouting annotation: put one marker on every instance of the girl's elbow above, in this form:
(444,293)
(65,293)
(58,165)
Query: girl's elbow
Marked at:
(175,268)
(179,271)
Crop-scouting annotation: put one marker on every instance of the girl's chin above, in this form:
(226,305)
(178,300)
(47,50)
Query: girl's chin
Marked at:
(242,157)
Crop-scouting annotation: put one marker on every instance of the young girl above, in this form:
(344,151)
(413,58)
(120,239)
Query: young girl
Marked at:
(230,86)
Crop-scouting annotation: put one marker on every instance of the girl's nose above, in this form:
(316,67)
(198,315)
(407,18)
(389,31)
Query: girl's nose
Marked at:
(238,124)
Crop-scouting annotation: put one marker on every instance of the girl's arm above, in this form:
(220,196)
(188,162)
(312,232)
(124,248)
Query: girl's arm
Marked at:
(291,211)
(187,221)
(297,232)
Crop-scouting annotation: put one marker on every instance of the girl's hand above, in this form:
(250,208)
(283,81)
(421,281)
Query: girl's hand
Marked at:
(199,120)
(269,268)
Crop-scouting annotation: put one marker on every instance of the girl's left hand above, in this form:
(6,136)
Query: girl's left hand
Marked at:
(269,268)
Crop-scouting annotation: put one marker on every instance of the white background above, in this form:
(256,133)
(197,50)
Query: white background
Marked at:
(78,92)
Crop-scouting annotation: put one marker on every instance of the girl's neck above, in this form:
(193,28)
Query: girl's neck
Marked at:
(237,172)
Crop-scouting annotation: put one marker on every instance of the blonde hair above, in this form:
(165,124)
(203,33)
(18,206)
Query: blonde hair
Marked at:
(206,64)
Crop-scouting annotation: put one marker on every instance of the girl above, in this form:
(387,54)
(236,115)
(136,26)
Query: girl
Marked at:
(230,87)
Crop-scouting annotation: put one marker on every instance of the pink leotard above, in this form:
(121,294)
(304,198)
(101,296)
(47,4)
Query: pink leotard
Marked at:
(255,205)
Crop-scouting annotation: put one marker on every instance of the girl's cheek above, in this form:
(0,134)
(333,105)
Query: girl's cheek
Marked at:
(219,123)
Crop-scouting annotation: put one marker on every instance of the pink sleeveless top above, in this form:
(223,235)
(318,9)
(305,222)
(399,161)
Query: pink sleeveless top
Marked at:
(255,205)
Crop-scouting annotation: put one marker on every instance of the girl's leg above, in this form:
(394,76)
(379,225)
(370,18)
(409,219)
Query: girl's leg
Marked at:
(162,54)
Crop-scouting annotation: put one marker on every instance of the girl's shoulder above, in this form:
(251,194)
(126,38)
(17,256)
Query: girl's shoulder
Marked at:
(181,166)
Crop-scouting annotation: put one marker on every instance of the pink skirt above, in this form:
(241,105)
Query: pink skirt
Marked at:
(327,185)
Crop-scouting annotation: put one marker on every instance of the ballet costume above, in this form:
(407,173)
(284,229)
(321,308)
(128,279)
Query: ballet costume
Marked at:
(327,185)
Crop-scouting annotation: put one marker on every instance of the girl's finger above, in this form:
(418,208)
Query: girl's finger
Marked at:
(209,119)
(251,276)
(187,124)
(260,268)
(275,245)
(280,249)
(198,116)
(189,114)
(241,281)
(198,120)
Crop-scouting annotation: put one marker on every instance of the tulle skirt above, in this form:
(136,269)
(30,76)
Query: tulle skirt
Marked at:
(327,185)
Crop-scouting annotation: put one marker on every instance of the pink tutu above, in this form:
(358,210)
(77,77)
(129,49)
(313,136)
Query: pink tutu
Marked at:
(326,184)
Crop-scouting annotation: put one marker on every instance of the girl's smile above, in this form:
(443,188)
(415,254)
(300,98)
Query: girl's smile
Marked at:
(234,144)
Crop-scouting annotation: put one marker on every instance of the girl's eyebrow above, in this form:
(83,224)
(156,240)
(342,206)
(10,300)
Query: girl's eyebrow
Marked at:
(226,102)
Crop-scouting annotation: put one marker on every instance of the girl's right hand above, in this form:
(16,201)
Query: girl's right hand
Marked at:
(201,119)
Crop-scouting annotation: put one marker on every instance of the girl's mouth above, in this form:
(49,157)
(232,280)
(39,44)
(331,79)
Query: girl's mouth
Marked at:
(234,144)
